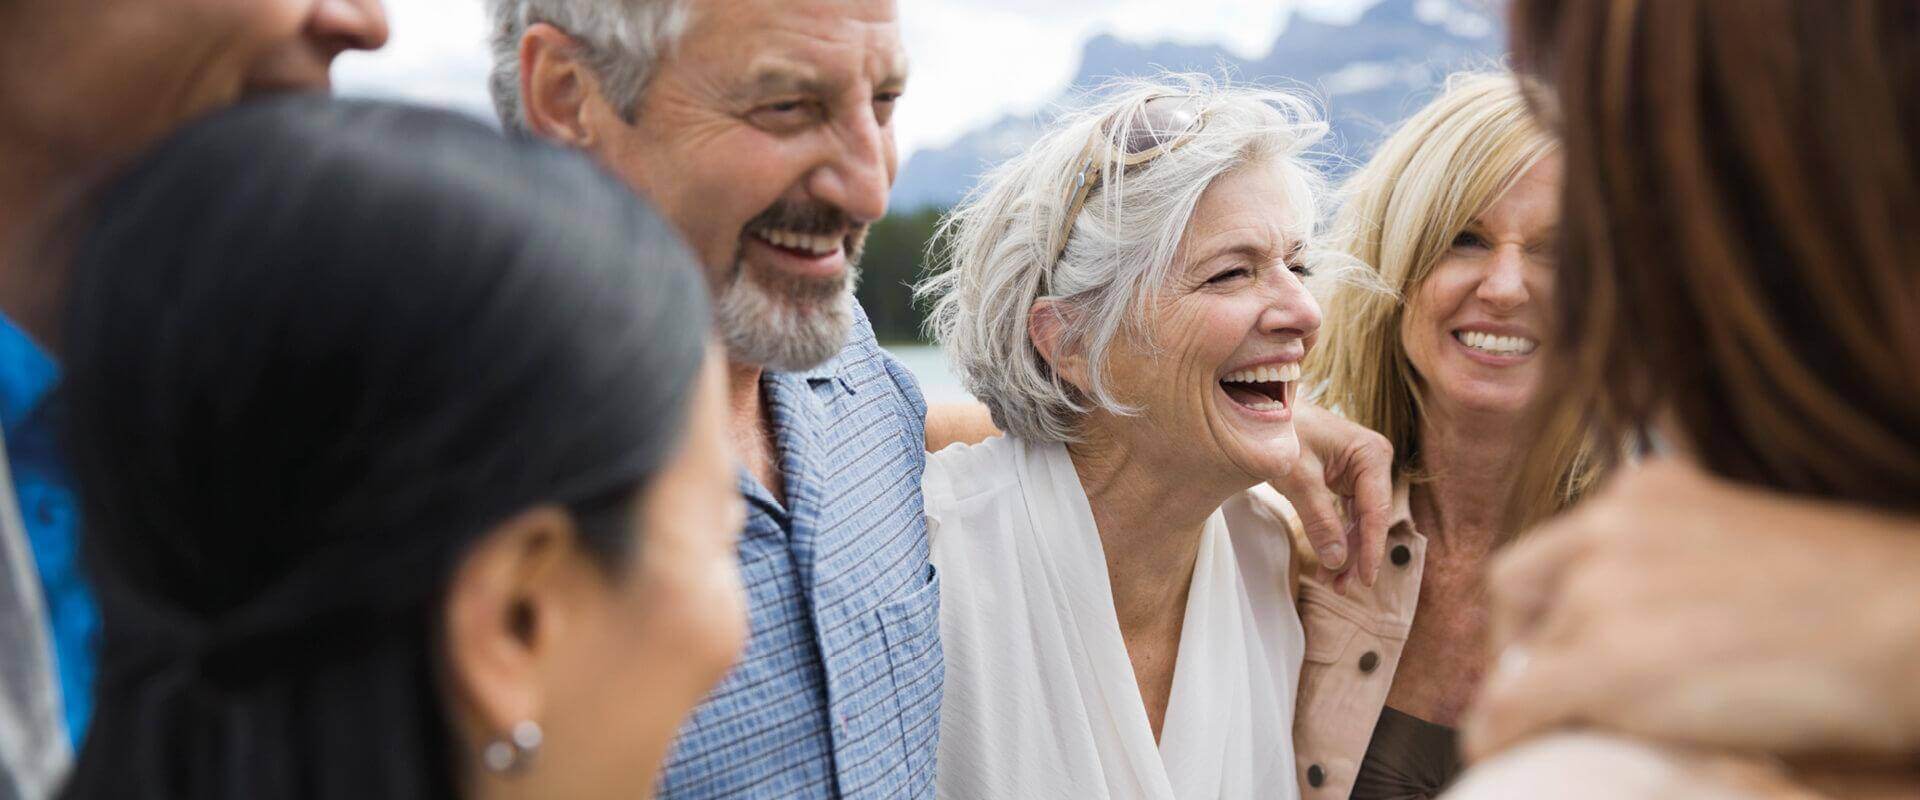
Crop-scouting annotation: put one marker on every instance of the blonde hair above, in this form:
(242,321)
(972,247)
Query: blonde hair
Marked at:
(993,253)
(1443,168)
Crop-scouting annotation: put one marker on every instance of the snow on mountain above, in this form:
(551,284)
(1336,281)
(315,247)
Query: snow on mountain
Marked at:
(1369,74)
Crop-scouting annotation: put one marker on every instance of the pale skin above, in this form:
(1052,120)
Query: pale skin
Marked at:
(1496,277)
(1233,300)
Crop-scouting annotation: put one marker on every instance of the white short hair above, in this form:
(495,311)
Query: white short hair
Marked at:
(991,253)
(623,41)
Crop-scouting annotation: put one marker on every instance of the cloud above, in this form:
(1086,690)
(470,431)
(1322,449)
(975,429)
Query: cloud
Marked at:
(436,55)
(973,60)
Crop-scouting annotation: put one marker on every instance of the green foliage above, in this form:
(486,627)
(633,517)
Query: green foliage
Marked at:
(895,258)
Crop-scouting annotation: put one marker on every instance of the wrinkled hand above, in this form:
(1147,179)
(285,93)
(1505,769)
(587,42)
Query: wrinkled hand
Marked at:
(1677,607)
(1342,487)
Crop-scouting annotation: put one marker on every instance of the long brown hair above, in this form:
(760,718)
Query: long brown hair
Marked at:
(1741,232)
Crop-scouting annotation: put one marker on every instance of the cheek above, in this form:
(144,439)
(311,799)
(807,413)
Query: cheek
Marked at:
(696,598)
(129,71)
(1424,326)
(728,192)
(1213,328)
(1543,298)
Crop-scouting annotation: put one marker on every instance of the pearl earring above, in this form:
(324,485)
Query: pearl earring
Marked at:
(512,753)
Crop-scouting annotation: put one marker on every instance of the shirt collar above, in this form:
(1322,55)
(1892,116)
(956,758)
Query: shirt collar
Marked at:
(1402,505)
(829,371)
(27,374)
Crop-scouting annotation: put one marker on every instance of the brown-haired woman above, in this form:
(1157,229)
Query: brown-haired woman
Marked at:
(1740,290)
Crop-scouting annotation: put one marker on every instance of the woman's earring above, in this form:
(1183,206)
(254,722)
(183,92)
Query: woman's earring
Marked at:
(512,753)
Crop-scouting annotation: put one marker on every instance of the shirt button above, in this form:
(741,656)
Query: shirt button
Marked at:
(1369,661)
(1316,776)
(1401,555)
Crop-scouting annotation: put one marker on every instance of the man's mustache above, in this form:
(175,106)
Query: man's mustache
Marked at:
(816,219)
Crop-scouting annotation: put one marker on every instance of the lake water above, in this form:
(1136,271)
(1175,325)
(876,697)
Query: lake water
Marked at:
(929,365)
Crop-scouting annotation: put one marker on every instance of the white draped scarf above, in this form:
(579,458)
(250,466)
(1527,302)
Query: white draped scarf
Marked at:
(1040,698)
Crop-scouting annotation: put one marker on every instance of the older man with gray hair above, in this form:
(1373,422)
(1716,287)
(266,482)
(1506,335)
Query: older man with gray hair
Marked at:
(764,130)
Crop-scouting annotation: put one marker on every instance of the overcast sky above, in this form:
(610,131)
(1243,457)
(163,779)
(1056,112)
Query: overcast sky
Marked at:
(973,60)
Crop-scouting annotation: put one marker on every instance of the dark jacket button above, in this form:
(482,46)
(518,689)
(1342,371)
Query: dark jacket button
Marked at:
(1316,776)
(1401,555)
(1369,661)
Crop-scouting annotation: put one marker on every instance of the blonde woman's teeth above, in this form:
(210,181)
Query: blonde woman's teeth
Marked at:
(1279,373)
(1497,345)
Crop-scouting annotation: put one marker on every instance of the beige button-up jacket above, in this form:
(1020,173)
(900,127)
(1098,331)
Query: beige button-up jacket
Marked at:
(1353,649)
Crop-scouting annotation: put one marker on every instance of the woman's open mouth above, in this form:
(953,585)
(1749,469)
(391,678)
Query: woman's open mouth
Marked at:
(1261,389)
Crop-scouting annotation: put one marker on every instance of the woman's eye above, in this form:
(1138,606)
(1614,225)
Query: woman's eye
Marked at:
(1469,240)
(1229,275)
(1300,269)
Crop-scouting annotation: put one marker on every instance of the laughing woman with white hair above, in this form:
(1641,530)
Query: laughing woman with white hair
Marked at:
(1127,299)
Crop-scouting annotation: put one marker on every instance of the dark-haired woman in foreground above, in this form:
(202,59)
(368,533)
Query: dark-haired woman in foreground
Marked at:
(400,447)
(1741,280)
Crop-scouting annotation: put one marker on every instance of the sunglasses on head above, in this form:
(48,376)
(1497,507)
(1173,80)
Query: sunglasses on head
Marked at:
(1160,126)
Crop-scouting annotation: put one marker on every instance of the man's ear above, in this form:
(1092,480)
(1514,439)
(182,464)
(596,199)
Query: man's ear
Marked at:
(556,86)
(505,607)
(1046,326)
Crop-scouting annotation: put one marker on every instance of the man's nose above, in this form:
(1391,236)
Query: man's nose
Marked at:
(860,173)
(343,25)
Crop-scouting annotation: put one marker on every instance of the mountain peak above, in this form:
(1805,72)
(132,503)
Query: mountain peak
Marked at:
(1368,72)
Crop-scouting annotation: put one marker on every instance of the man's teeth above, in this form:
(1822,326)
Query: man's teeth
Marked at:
(816,244)
(1502,345)
(1284,373)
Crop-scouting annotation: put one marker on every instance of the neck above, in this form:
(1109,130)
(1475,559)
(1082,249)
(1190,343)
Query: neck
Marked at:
(1473,462)
(744,419)
(34,195)
(1150,526)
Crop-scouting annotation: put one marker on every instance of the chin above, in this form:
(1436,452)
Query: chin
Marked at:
(1259,458)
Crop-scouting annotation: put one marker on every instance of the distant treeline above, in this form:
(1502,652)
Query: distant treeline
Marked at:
(894,261)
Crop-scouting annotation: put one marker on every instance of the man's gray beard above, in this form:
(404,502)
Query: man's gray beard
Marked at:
(785,331)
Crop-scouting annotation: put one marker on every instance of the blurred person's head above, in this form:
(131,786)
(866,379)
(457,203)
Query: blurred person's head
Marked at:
(90,81)
(1164,309)
(762,128)
(398,442)
(1457,215)
(1740,266)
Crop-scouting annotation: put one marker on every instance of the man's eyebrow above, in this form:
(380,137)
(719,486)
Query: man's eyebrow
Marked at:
(776,79)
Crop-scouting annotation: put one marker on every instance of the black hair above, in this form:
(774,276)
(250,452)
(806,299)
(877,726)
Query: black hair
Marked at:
(315,350)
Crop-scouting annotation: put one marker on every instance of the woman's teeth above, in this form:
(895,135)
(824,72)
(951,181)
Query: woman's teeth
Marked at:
(1497,345)
(1270,393)
(819,245)
(1284,373)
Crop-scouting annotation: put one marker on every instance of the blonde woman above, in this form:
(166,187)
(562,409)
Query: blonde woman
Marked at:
(1457,214)
(1127,299)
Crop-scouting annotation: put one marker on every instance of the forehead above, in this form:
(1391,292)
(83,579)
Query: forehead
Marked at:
(1534,199)
(771,41)
(1259,202)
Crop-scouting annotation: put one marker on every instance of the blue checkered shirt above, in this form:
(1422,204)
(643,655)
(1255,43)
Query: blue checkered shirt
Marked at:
(838,692)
